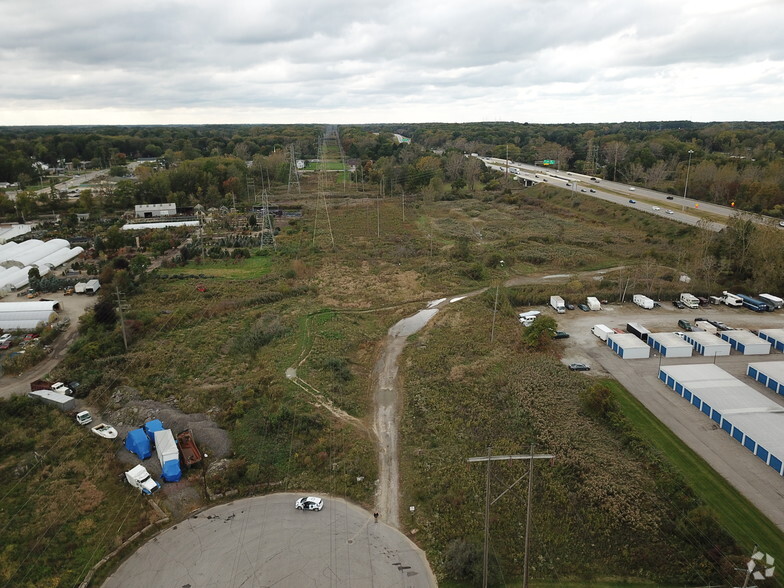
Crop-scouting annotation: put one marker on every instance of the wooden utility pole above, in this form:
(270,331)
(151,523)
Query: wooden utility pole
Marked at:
(530,457)
(121,306)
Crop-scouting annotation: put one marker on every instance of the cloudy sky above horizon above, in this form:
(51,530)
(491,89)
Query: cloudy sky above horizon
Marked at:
(350,61)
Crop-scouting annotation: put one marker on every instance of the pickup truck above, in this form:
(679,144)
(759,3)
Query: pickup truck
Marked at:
(139,477)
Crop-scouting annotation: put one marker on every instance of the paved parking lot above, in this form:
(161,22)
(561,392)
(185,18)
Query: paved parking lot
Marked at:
(758,482)
(263,541)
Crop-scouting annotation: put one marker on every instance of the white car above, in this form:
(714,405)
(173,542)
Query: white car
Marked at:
(668,211)
(656,208)
(632,188)
(4,338)
(309,503)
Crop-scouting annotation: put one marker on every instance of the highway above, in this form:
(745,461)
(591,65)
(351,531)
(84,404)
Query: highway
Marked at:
(683,210)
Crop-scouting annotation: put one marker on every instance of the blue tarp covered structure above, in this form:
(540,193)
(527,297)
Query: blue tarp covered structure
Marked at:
(171,471)
(138,443)
(150,427)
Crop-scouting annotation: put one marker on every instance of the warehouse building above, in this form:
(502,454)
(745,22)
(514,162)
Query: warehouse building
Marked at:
(775,337)
(670,345)
(746,342)
(770,374)
(707,344)
(154,210)
(628,346)
(749,417)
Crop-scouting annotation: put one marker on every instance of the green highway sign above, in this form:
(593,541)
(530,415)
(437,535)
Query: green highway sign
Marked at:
(549,162)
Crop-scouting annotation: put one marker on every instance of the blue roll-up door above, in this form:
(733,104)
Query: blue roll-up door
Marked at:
(750,371)
(716,416)
(696,401)
(773,384)
(679,388)
(762,453)
(737,434)
(727,426)
(662,376)
(671,382)
(749,443)
(687,394)
(775,463)
(706,408)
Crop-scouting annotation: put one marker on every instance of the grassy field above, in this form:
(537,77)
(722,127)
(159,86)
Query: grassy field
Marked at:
(617,511)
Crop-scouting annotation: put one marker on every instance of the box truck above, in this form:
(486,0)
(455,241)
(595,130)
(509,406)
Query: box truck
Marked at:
(642,301)
(168,454)
(593,303)
(558,304)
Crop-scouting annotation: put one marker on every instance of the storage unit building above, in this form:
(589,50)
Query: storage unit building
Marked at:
(748,416)
(775,337)
(769,373)
(746,342)
(628,346)
(707,344)
(670,345)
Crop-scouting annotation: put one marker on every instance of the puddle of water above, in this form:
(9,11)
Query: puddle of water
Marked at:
(410,325)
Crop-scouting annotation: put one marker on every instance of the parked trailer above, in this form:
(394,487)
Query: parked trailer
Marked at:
(642,301)
(61,401)
(689,300)
(753,303)
(593,303)
(638,331)
(558,304)
(773,302)
(731,299)
(602,331)
(188,450)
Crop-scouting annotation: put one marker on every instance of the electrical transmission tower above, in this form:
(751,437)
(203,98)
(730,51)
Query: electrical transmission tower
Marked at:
(293,173)
(321,197)
(267,226)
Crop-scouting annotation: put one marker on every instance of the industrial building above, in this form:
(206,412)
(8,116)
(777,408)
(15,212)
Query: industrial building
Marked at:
(628,346)
(153,210)
(746,342)
(775,337)
(707,344)
(749,417)
(670,345)
(769,373)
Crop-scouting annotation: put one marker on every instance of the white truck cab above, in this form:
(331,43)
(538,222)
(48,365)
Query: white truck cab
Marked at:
(139,477)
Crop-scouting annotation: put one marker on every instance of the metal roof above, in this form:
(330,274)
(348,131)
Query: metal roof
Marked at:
(772,369)
(670,340)
(627,340)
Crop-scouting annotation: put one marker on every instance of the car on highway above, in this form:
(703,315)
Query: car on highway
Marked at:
(781,223)
(579,367)
(656,208)
(668,211)
(568,183)
(583,190)
(309,503)
(592,191)
(632,201)
(584,307)
(632,188)
(670,197)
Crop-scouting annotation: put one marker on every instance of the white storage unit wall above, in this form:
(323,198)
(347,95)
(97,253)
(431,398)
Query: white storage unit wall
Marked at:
(628,346)
(769,373)
(746,342)
(670,345)
(748,416)
(775,337)
(707,344)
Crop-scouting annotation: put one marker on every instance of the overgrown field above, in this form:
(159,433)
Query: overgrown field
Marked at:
(322,302)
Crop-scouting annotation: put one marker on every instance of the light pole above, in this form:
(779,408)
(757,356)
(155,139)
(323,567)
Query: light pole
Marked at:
(495,305)
(686,186)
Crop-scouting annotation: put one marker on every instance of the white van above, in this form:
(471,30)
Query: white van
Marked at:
(84,418)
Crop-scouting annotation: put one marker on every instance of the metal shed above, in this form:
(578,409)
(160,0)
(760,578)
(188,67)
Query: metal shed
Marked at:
(707,344)
(775,337)
(746,342)
(628,346)
(769,373)
(749,417)
(670,345)
(53,398)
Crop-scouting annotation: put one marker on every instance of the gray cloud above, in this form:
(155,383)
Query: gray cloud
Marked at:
(440,60)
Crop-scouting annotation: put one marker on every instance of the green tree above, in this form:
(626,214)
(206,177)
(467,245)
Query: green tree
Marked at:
(540,333)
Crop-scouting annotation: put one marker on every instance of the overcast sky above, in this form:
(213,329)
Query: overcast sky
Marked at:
(351,61)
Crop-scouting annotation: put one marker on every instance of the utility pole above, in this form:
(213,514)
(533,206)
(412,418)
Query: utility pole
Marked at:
(530,457)
(121,306)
